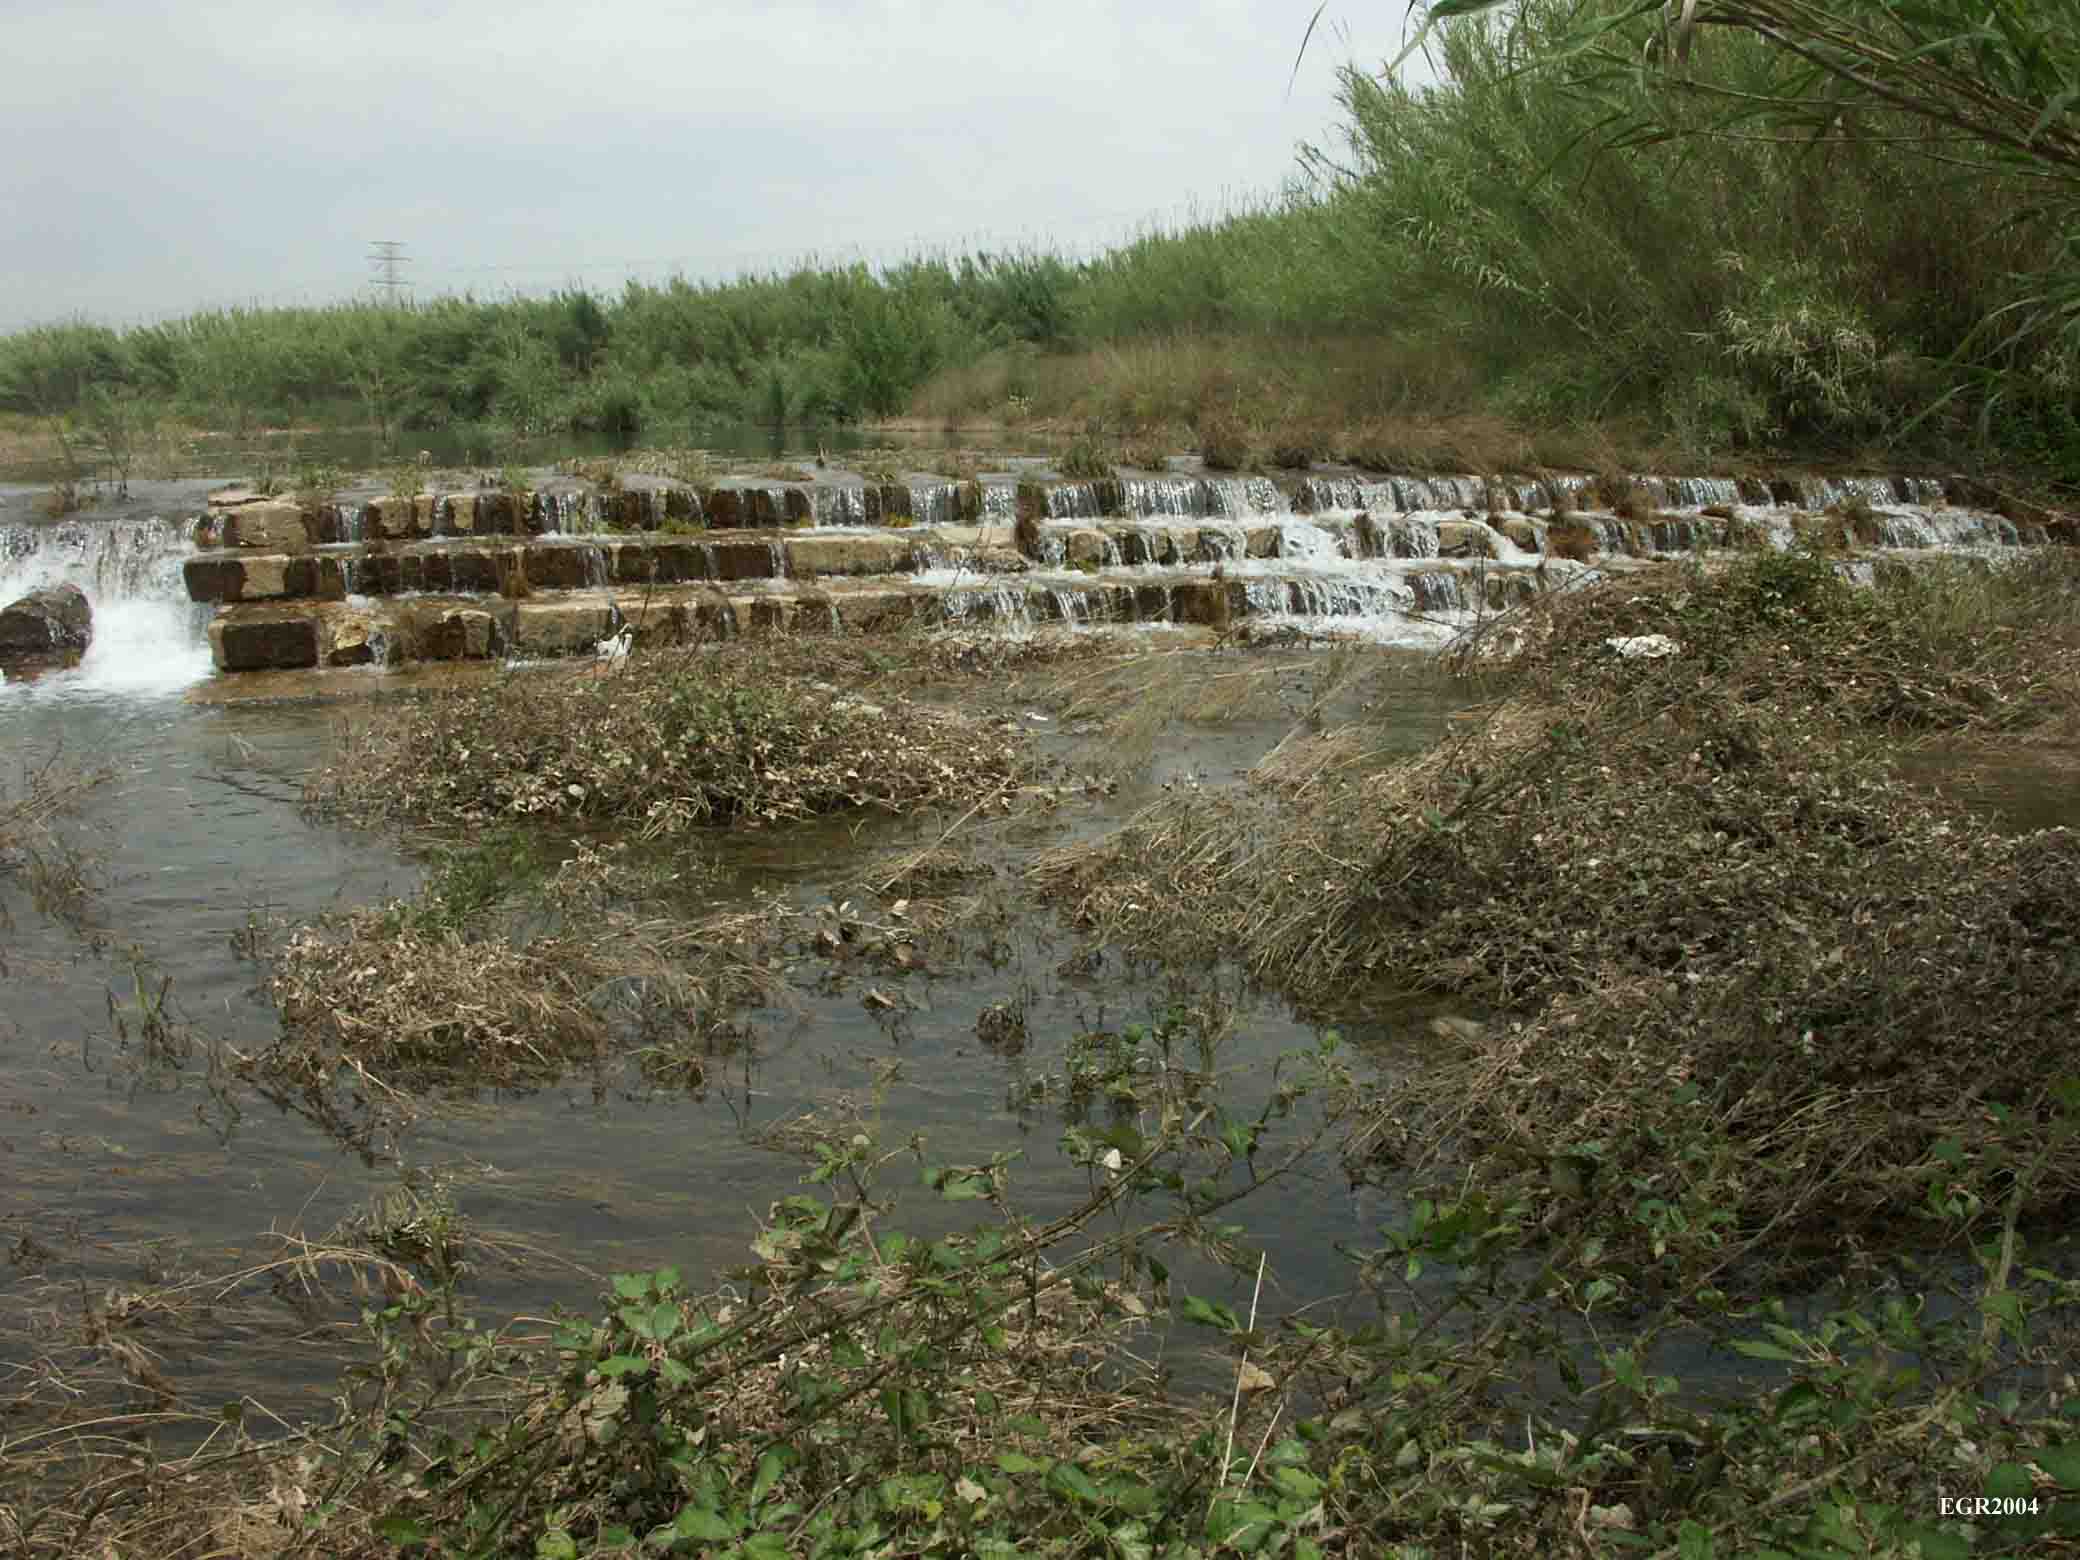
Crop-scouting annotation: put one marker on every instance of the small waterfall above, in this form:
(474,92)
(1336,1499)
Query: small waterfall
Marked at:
(1319,494)
(935,503)
(1238,497)
(1434,493)
(1438,594)
(999,502)
(1696,492)
(838,505)
(1073,501)
(568,513)
(1164,497)
(1308,542)
(597,574)
(1224,540)
(999,604)
(148,637)
(1944,528)
(778,555)
(1072,607)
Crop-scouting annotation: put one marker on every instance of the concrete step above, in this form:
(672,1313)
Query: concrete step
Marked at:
(391,631)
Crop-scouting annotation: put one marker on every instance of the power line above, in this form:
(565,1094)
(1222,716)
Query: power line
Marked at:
(388,258)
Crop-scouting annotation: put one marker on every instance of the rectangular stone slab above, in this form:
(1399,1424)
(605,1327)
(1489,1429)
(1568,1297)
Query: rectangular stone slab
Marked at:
(254,639)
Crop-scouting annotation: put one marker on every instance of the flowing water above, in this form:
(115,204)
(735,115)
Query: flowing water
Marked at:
(122,1156)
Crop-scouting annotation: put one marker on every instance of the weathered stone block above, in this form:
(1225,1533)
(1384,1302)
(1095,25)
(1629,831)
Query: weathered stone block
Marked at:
(253,639)
(54,621)
(723,508)
(746,560)
(1214,603)
(389,518)
(566,567)
(888,503)
(847,555)
(1464,539)
(873,611)
(271,526)
(1084,547)
(214,577)
(556,628)
(352,637)
(456,634)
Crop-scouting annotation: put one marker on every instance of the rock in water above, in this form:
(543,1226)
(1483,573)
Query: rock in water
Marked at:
(55,621)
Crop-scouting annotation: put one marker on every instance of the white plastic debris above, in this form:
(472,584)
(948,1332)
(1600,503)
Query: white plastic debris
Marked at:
(1645,647)
(614,649)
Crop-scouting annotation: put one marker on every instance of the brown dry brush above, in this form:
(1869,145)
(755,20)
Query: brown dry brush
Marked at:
(399,1001)
(59,875)
(672,741)
(119,1435)
(1697,871)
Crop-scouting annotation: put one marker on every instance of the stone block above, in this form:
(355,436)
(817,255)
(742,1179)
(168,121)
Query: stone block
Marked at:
(253,639)
(271,526)
(558,628)
(808,556)
(1084,547)
(745,560)
(1464,539)
(54,621)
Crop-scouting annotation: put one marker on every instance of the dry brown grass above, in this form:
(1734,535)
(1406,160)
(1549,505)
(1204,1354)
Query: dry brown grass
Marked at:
(673,740)
(1577,542)
(1692,870)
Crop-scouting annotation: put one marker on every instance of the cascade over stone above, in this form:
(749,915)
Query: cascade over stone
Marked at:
(550,572)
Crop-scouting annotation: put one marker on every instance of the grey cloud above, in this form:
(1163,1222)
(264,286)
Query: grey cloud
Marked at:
(169,156)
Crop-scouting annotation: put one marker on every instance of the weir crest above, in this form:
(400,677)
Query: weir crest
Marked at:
(484,572)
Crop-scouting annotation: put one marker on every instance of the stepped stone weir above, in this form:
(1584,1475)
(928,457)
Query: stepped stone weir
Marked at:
(488,572)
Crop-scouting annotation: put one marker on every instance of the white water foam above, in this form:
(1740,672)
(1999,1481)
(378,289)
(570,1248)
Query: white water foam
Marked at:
(149,638)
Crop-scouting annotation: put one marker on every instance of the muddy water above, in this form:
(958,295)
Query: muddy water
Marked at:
(118,1159)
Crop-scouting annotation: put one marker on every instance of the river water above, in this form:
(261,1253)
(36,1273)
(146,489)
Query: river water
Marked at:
(121,1160)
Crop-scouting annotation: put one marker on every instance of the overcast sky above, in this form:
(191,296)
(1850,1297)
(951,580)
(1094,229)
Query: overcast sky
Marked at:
(165,156)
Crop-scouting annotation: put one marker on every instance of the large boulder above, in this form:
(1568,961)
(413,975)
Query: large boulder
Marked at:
(54,621)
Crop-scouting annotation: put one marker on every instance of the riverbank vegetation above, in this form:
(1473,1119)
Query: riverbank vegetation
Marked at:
(1729,1198)
(1491,271)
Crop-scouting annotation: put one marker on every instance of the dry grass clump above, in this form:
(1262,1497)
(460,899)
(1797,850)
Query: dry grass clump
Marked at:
(1224,440)
(126,1432)
(61,876)
(1691,872)
(1941,648)
(1578,542)
(405,1006)
(672,741)
(39,795)
(435,994)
